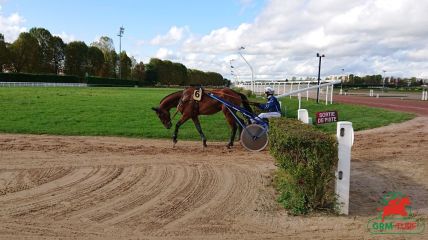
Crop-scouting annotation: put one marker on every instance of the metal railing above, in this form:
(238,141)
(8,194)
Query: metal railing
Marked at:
(294,88)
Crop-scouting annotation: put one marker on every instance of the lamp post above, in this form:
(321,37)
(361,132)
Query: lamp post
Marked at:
(120,35)
(319,75)
(383,80)
(251,68)
(231,67)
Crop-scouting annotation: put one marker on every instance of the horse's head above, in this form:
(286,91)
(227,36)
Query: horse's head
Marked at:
(164,116)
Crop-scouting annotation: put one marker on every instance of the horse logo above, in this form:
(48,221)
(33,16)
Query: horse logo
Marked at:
(395,207)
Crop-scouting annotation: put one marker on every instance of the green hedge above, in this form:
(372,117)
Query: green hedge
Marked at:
(48,78)
(110,82)
(307,159)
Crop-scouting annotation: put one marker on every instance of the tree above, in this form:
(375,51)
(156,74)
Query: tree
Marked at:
(125,65)
(195,77)
(4,53)
(105,44)
(95,61)
(139,74)
(57,47)
(44,39)
(179,74)
(151,77)
(109,66)
(75,58)
(25,53)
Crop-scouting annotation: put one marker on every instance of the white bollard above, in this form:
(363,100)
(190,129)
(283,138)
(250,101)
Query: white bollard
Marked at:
(377,95)
(424,95)
(300,100)
(345,138)
(341,92)
(371,93)
(303,115)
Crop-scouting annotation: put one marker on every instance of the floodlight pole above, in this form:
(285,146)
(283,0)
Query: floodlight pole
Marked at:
(120,35)
(319,75)
(383,80)
(251,68)
(231,68)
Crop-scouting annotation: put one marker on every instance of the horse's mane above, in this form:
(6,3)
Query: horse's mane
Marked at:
(169,95)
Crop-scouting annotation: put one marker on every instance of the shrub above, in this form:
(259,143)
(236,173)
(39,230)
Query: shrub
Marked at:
(48,78)
(110,82)
(306,158)
(246,92)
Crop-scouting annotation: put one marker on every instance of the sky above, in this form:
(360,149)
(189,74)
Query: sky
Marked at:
(281,37)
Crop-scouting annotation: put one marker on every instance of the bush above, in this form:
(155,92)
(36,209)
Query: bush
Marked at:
(307,159)
(246,92)
(48,78)
(110,82)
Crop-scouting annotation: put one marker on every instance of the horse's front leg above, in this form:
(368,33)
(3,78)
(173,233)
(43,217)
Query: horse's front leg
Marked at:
(180,122)
(199,128)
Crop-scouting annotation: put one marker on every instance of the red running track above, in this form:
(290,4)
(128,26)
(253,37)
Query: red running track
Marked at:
(412,106)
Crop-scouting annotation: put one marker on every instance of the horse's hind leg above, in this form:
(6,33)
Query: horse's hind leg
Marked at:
(240,128)
(232,123)
(199,128)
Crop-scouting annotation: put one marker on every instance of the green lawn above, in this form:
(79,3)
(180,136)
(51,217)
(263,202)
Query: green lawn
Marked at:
(127,112)
(362,117)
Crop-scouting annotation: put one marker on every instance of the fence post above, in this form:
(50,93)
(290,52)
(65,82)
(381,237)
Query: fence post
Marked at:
(300,100)
(345,138)
(307,92)
(302,115)
(326,95)
(331,94)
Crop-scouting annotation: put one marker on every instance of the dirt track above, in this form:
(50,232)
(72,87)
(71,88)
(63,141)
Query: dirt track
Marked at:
(111,188)
(412,106)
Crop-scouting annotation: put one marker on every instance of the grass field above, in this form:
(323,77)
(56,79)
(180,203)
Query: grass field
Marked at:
(127,112)
(362,117)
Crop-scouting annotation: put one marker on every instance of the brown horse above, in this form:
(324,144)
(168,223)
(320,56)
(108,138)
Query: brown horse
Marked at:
(191,109)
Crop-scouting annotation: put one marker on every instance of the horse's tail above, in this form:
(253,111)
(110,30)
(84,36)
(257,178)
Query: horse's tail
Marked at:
(245,101)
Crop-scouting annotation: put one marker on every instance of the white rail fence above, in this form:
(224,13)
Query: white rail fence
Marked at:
(283,89)
(41,84)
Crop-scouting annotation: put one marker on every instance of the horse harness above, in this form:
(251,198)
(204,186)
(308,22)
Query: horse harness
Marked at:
(195,99)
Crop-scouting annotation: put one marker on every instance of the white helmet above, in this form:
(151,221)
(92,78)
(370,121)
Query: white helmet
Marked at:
(269,90)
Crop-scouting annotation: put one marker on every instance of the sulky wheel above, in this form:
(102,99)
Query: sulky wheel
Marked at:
(254,137)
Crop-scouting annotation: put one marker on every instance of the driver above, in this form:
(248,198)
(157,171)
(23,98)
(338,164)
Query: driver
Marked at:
(272,106)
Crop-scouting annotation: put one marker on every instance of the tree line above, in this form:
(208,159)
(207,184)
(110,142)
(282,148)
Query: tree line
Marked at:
(378,80)
(38,51)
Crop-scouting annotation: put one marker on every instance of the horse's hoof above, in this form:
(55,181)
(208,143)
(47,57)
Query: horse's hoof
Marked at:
(229,146)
